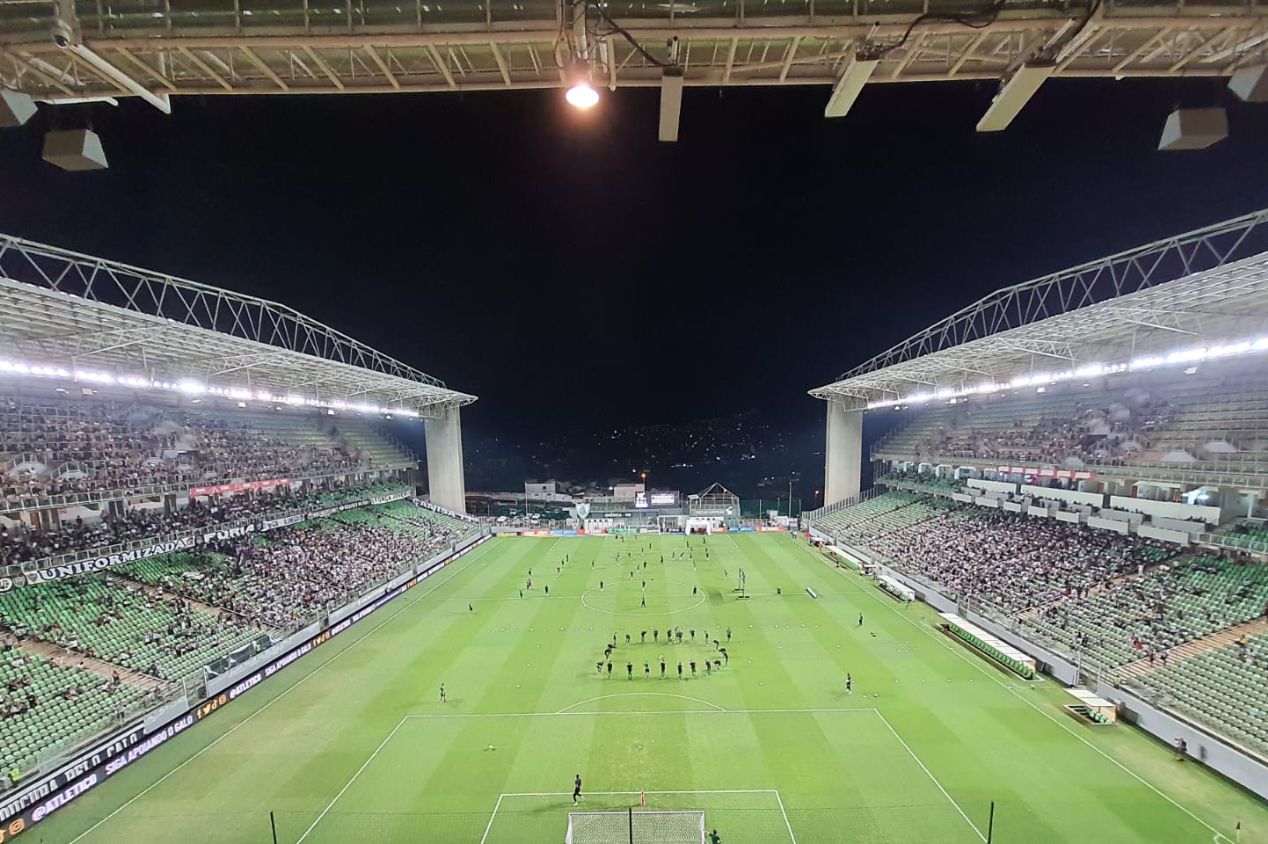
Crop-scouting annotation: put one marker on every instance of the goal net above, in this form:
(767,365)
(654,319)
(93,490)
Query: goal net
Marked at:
(635,826)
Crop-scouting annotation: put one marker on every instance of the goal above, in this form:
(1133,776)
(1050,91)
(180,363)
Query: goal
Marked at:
(635,826)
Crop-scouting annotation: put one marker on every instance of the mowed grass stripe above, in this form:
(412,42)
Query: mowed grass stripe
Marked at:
(836,772)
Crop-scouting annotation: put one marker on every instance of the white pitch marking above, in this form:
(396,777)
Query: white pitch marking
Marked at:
(349,783)
(929,774)
(773,791)
(284,693)
(640,694)
(990,674)
(569,714)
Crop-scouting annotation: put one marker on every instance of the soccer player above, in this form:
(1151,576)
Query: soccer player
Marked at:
(598,667)
(714,838)
(693,668)
(724,655)
(849,684)
(662,666)
(693,634)
(728,634)
(708,667)
(547,588)
(470,608)
(647,669)
(680,669)
(576,789)
(656,635)
(442,693)
(600,585)
(629,671)
(642,637)
(609,669)
(627,638)
(860,619)
(643,602)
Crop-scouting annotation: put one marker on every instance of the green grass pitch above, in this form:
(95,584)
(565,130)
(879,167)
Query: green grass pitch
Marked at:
(353,743)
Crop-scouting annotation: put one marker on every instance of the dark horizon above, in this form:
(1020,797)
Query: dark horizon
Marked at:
(577,275)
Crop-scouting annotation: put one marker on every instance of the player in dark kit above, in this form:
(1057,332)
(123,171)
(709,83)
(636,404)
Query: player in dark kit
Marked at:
(576,789)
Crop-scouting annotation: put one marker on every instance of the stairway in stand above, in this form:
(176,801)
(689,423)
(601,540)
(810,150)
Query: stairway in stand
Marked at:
(1198,646)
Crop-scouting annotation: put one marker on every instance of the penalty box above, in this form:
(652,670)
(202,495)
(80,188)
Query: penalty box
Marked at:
(808,774)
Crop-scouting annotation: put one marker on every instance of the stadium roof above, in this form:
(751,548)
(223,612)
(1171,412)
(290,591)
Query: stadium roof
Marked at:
(1196,296)
(138,48)
(66,315)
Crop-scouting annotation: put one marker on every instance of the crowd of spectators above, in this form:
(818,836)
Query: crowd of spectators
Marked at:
(20,543)
(1085,433)
(1145,617)
(281,579)
(1010,561)
(65,448)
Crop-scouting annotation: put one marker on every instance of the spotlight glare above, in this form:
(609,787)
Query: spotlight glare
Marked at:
(582,95)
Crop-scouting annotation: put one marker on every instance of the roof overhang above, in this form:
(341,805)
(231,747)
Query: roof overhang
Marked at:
(70,316)
(1199,296)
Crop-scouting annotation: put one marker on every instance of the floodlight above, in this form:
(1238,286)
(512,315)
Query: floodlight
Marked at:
(851,83)
(1014,94)
(580,94)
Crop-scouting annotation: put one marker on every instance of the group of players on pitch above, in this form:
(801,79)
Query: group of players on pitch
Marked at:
(672,636)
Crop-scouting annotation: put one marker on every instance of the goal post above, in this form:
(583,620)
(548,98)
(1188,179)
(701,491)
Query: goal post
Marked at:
(636,826)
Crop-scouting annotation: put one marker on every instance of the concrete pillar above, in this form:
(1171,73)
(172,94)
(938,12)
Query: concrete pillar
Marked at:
(445,479)
(843,454)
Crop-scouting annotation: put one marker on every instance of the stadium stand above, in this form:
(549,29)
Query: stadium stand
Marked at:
(80,447)
(1226,687)
(1155,615)
(142,627)
(1159,611)
(280,580)
(46,702)
(1210,421)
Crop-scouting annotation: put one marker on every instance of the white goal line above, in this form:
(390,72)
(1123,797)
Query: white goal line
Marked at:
(513,794)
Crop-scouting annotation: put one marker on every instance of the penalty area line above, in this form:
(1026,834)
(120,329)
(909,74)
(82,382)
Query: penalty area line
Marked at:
(349,783)
(929,774)
(529,794)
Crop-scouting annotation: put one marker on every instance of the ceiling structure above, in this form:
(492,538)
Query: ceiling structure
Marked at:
(1198,296)
(72,50)
(97,322)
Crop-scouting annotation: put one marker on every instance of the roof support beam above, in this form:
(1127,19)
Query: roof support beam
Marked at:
(323,67)
(264,68)
(441,65)
(204,67)
(501,62)
(383,66)
(22,62)
(788,58)
(146,69)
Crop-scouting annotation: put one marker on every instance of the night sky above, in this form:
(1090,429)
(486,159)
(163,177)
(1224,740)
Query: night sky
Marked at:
(570,270)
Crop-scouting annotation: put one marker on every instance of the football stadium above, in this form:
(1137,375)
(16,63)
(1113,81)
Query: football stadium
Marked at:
(267,579)
(230,612)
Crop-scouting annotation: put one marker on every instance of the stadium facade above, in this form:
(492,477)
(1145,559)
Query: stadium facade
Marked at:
(1077,481)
